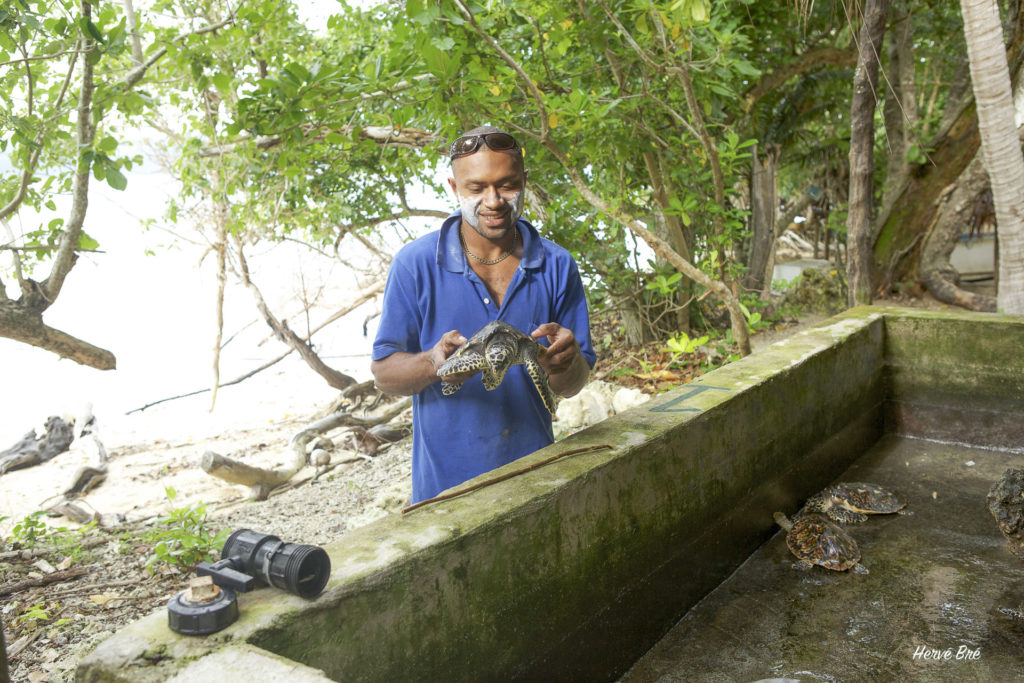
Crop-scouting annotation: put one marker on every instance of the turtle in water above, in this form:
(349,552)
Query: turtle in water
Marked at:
(815,540)
(849,502)
(495,348)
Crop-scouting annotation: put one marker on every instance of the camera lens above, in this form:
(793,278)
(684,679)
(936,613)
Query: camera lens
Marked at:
(299,569)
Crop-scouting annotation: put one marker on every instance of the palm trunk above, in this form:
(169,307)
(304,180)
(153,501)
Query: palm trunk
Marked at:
(990,76)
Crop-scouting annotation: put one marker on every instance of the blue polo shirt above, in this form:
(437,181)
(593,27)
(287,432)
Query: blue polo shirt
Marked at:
(431,290)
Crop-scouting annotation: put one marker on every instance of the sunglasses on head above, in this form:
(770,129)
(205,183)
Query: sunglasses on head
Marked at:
(467,144)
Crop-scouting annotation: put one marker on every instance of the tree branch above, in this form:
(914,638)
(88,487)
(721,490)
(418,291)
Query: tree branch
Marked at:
(334,378)
(385,135)
(398,215)
(364,296)
(24,324)
(661,248)
(507,58)
(64,260)
(813,59)
(30,168)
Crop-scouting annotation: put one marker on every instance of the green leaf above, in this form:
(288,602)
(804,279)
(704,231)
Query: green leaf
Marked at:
(86,242)
(91,29)
(298,72)
(223,82)
(443,43)
(115,178)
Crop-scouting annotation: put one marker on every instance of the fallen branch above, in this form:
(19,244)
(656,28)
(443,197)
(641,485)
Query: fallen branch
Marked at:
(34,449)
(86,587)
(30,553)
(262,480)
(18,646)
(44,580)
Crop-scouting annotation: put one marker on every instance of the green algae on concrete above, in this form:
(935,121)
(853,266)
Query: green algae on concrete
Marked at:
(573,569)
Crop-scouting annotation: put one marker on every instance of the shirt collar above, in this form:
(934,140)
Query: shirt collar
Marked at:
(451,257)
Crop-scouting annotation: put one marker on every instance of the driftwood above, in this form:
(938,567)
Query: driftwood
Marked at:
(34,449)
(43,580)
(92,475)
(29,553)
(86,443)
(369,441)
(261,480)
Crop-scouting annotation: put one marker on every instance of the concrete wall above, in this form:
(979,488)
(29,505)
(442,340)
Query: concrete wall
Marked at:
(573,569)
(955,376)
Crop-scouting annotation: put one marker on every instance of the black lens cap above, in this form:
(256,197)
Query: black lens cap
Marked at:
(202,618)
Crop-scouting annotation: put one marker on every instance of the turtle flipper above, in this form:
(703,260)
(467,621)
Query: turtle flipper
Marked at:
(540,380)
(457,364)
(819,502)
(449,388)
(843,515)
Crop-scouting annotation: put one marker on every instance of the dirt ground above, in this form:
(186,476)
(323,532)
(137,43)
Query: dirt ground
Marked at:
(57,602)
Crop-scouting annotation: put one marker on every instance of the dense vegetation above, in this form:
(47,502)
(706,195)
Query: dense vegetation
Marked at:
(699,129)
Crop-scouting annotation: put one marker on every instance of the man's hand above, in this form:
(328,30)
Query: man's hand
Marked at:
(406,374)
(566,367)
(445,347)
(562,347)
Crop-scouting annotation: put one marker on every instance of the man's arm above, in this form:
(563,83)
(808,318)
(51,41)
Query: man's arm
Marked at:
(405,374)
(567,369)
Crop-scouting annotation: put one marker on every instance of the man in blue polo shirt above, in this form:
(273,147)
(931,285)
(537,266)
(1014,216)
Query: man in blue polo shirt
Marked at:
(484,264)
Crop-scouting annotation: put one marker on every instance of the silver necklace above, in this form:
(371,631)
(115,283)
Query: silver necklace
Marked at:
(465,248)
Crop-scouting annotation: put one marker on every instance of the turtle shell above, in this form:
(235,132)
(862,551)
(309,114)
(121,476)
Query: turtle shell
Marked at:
(850,502)
(867,499)
(474,350)
(493,349)
(814,539)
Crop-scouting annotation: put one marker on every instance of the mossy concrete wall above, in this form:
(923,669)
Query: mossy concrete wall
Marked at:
(573,569)
(956,376)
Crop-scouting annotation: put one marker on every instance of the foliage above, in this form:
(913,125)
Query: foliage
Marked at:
(30,530)
(184,537)
(33,614)
(682,344)
(633,115)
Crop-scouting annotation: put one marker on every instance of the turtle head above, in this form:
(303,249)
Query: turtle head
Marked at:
(783,521)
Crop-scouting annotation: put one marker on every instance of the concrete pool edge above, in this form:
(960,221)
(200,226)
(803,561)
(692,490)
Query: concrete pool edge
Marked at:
(547,572)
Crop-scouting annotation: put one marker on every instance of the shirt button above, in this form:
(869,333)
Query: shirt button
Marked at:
(504,432)
(487,301)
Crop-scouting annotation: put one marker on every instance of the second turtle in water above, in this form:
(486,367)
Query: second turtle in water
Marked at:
(816,541)
(849,502)
(495,348)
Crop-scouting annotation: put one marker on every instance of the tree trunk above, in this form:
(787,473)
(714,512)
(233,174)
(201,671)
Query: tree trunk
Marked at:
(900,98)
(1001,151)
(899,232)
(951,220)
(862,137)
(763,209)
(676,234)
(635,328)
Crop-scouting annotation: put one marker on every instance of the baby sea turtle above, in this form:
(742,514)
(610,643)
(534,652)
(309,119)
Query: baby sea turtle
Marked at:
(849,502)
(815,540)
(495,348)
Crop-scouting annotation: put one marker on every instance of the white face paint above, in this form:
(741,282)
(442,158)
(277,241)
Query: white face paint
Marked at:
(471,209)
(516,201)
